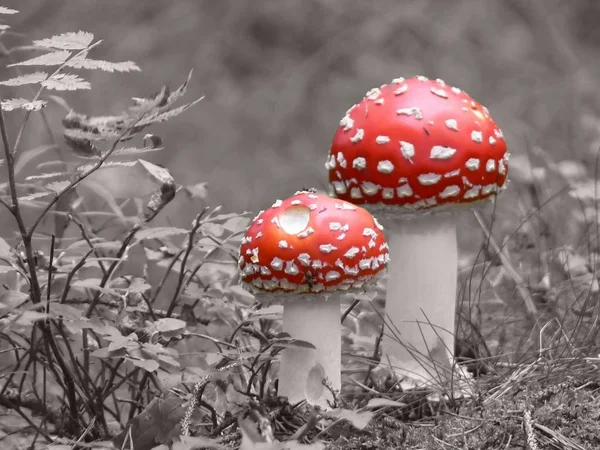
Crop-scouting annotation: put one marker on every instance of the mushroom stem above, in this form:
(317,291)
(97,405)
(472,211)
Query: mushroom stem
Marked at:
(421,297)
(314,319)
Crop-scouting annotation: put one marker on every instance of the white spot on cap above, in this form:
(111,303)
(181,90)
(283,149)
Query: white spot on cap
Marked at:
(407,150)
(450,191)
(455,90)
(332,275)
(317,264)
(365,264)
(422,78)
(306,233)
(387,193)
(277,204)
(439,92)
(359,163)
(330,164)
(399,80)
(296,202)
(313,206)
(360,134)
(341,159)
(341,237)
(347,122)
(428,179)
(339,187)
(277,263)
(501,167)
(327,248)
(346,206)
(264,271)
(473,192)
(489,188)
(352,252)
(370,232)
(275,220)
(304,259)
(370,188)
(472,164)
(355,193)
(382,140)
(452,124)
(385,166)
(490,165)
(291,268)
(440,152)
(452,174)
(258,235)
(414,111)
(401,90)
(476,136)
(404,191)
(373,94)
(283,244)
(491,140)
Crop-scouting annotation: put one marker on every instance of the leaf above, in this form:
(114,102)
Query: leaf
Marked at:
(197,190)
(168,325)
(5,10)
(273,312)
(82,62)
(34,196)
(291,343)
(48,59)
(30,78)
(66,82)
(81,146)
(195,443)
(157,424)
(135,150)
(149,365)
(22,103)
(58,186)
(5,250)
(166,115)
(159,233)
(94,284)
(67,41)
(43,176)
(382,402)
(358,419)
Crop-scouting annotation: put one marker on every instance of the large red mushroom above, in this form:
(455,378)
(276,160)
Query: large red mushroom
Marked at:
(306,252)
(413,152)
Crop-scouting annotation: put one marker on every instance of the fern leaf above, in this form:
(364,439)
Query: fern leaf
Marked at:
(87,167)
(5,10)
(66,82)
(49,59)
(67,41)
(30,78)
(22,103)
(43,176)
(166,115)
(34,196)
(58,186)
(81,62)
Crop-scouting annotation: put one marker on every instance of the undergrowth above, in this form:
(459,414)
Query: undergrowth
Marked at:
(117,334)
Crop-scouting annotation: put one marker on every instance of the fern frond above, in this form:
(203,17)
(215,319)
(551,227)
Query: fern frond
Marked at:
(166,115)
(79,40)
(34,196)
(29,78)
(66,82)
(22,103)
(5,10)
(86,167)
(81,62)
(49,59)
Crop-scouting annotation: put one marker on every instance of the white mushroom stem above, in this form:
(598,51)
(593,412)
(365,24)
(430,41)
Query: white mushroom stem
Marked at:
(315,319)
(421,297)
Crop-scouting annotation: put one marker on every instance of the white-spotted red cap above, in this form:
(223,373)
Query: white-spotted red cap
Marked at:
(417,144)
(312,243)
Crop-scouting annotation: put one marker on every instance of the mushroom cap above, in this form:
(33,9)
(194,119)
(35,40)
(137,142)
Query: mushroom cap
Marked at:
(417,144)
(312,243)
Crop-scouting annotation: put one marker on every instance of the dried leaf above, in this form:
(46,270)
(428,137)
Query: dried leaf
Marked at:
(66,82)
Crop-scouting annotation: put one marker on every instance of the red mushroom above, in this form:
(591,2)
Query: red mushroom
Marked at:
(409,151)
(306,252)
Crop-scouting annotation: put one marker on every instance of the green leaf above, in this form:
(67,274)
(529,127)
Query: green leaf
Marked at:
(22,103)
(30,78)
(66,82)
(79,40)
(48,59)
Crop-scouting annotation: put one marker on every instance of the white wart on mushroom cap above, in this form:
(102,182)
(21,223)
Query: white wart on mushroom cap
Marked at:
(417,144)
(312,243)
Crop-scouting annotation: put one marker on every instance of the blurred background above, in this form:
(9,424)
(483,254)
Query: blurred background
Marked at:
(278,75)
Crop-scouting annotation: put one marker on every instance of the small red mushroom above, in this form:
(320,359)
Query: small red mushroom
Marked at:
(306,252)
(408,151)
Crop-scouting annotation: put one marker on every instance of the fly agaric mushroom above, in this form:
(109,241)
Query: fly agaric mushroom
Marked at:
(306,252)
(412,152)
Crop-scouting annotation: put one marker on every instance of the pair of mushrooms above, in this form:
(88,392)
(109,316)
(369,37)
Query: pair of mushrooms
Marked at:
(411,153)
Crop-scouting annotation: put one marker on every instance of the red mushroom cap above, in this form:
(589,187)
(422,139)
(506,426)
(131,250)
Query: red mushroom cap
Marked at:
(417,144)
(312,243)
